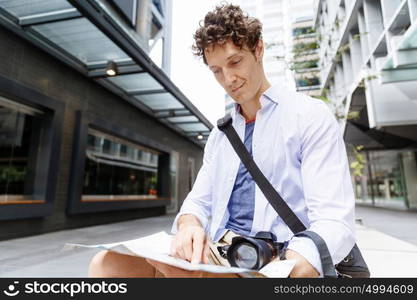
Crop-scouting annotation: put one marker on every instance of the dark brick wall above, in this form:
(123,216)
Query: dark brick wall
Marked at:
(34,68)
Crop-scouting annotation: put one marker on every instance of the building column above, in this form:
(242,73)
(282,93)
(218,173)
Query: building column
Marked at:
(386,188)
(144,19)
(409,165)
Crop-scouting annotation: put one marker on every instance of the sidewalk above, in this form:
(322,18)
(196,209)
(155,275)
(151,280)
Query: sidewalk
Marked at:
(388,241)
(40,256)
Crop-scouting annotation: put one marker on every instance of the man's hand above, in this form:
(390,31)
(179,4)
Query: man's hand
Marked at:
(302,268)
(190,243)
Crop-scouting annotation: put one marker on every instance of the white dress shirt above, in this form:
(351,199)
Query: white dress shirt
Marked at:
(298,145)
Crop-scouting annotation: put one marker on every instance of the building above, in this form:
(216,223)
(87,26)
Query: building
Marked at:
(92,129)
(277,34)
(276,18)
(368,69)
(305,52)
(287,28)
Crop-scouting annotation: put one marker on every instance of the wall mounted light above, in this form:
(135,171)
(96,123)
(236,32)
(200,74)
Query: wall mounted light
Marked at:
(111,69)
(200,136)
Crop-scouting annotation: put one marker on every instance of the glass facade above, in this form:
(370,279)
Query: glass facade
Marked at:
(116,169)
(409,168)
(20,133)
(387,178)
(383,182)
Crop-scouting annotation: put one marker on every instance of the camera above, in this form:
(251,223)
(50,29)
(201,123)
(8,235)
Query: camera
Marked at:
(252,252)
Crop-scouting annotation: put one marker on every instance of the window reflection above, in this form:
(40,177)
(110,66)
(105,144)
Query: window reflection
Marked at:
(382,181)
(387,178)
(117,169)
(20,134)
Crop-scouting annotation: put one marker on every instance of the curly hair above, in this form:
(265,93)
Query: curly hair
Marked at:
(227,22)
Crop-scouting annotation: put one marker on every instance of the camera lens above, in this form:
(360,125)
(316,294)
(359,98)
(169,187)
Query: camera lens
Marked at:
(245,256)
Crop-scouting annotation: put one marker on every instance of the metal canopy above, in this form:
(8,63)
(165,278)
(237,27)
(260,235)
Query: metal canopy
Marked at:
(85,35)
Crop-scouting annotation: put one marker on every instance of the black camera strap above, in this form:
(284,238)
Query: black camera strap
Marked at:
(327,265)
(274,198)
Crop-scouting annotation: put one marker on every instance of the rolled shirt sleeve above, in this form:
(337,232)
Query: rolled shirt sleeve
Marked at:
(199,200)
(327,186)
(306,248)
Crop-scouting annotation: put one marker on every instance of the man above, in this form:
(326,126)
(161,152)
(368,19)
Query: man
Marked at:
(294,139)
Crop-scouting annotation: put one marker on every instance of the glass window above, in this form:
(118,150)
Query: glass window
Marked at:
(158,6)
(121,170)
(131,153)
(107,147)
(386,172)
(305,81)
(139,155)
(20,135)
(123,150)
(302,31)
(382,181)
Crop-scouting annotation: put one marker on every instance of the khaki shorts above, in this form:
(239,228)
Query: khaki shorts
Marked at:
(214,257)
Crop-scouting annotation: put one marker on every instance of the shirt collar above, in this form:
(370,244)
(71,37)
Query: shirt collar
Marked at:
(273,92)
(270,95)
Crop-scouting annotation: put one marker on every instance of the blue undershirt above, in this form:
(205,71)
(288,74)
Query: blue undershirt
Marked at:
(242,200)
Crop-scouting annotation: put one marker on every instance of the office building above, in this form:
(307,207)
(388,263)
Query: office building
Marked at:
(368,68)
(305,52)
(277,34)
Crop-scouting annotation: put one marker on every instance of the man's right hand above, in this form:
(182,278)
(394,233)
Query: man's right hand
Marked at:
(190,243)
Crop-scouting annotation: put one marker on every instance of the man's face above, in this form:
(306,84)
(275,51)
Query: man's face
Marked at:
(239,71)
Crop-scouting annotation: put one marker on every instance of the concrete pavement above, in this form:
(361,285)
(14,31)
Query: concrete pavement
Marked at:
(398,223)
(388,255)
(388,241)
(41,255)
